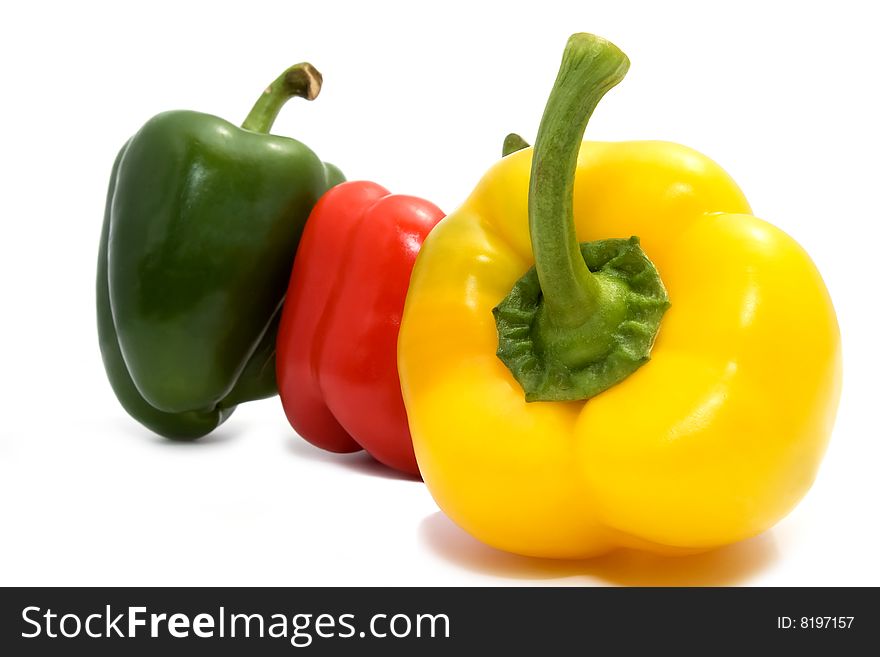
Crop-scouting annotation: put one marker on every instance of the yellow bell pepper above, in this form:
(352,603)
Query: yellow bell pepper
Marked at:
(712,441)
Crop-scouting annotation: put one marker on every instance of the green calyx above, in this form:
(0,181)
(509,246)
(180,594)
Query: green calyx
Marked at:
(586,315)
(553,364)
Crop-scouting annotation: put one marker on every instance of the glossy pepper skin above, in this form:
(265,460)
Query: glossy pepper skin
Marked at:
(201,225)
(712,441)
(337,343)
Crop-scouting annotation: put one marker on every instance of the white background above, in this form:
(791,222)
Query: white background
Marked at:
(418,97)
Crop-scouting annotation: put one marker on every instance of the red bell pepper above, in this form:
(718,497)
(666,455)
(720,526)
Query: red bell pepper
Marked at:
(337,343)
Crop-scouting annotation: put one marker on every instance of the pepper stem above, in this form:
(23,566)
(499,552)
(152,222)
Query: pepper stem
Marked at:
(590,67)
(586,315)
(300,80)
(513,143)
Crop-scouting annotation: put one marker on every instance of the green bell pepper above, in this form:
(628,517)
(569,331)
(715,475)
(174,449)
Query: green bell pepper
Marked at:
(201,226)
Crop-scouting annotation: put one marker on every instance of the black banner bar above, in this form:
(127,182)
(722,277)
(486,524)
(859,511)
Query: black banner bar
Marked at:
(432,621)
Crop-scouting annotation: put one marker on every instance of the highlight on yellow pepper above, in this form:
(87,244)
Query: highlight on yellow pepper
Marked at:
(603,348)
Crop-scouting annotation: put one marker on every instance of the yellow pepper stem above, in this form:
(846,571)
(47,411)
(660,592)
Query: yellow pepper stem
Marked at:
(587,314)
(590,67)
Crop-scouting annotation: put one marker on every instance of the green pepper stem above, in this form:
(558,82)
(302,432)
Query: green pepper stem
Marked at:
(300,80)
(590,67)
